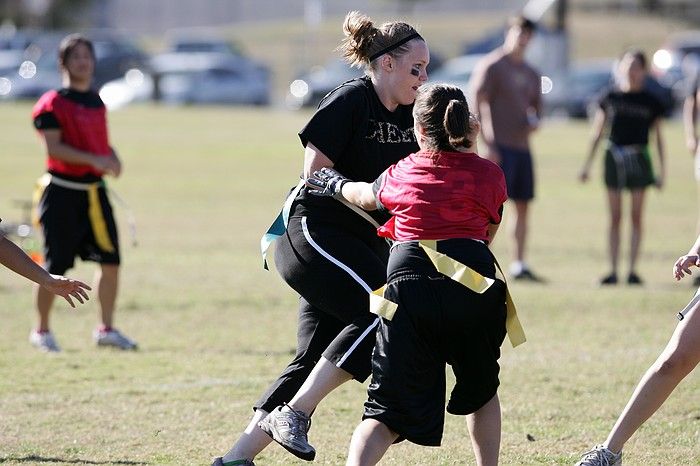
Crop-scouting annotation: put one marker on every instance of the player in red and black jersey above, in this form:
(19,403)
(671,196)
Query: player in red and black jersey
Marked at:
(73,210)
(447,193)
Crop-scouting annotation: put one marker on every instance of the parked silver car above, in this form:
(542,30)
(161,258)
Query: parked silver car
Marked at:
(209,78)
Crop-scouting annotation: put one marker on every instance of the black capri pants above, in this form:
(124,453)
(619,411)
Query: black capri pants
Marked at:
(333,267)
(438,321)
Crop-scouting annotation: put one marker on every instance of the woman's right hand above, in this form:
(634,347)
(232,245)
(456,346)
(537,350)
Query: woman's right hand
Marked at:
(683,264)
(108,165)
(66,288)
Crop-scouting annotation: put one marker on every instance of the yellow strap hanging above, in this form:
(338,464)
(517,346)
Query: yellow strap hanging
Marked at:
(381,306)
(464,275)
(456,270)
(477,283)
(97,220)
(41,183)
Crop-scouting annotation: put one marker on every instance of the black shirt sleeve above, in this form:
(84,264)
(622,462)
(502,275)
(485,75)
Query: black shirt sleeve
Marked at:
(46,120)
(336,121)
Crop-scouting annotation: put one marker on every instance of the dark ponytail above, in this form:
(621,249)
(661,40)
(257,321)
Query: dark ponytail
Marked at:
(443,113)
(456,123)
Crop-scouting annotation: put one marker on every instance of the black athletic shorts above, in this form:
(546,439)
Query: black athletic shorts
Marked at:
(438,322)
(63,214)
(517,166)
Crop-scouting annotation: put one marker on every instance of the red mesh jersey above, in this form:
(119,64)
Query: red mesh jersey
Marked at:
(441,196)
(82,127)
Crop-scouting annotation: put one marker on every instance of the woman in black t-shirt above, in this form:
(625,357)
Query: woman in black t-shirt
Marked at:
(330,253)
(629,113)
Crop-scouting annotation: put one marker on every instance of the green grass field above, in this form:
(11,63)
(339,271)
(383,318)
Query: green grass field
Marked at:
(215,328)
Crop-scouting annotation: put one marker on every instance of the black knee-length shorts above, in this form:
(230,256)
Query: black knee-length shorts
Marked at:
(68,232)
(438,322)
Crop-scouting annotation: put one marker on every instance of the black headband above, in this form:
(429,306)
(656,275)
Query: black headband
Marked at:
(394,46)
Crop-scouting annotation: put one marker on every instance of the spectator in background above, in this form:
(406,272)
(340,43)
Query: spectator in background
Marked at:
(74,211)
(507,97)
(629,113)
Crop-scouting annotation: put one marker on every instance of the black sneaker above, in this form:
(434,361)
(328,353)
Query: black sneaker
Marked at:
(609,280)
(633,279)
(526,275)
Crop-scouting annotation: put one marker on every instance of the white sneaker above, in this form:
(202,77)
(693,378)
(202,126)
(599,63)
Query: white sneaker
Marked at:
(44,341)
(113,337)
(600,456)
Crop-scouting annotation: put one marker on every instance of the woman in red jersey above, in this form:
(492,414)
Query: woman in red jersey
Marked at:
(74,211)
(447,193)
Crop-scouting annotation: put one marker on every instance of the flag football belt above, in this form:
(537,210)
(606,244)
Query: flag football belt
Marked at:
(97,220)
(444,264)
(626,150)
(279,226)
(464,275)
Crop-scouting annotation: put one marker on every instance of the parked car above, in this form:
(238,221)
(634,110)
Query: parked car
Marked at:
(308,89)
(199,43)
(210,78)
(16,39)
(135,86)
(38,72)
(575,93)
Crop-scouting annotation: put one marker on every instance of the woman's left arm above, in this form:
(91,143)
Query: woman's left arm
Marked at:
(328,182)
(360,194)
(660,149)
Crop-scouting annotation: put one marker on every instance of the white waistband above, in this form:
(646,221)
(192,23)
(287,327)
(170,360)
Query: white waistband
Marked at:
(48,178)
